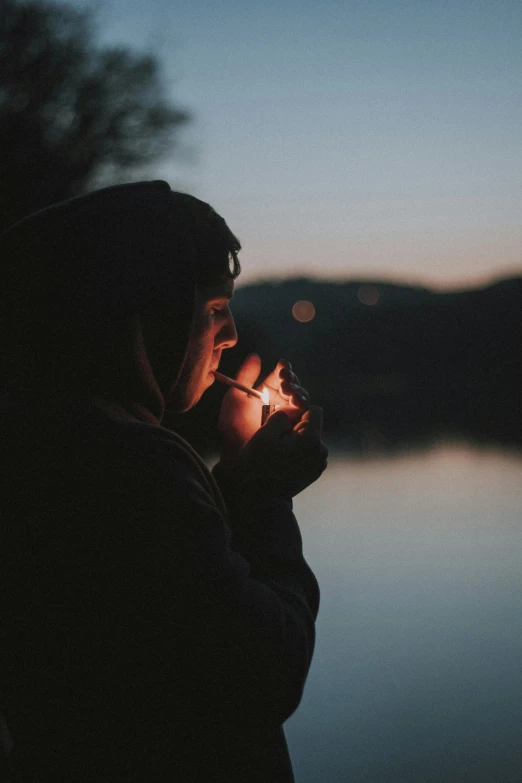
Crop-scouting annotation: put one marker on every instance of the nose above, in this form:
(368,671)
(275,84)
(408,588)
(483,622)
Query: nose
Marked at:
(227,335)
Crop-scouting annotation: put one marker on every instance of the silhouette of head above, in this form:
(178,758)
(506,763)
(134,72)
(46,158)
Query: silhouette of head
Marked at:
(111,294)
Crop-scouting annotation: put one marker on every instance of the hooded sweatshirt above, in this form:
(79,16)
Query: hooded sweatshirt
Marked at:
(157,620)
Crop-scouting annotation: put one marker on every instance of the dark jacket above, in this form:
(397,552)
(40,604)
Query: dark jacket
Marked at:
(155,625)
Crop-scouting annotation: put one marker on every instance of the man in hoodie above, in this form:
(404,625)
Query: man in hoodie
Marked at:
(158,621)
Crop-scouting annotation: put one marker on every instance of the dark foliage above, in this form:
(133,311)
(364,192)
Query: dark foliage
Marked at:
(72,115)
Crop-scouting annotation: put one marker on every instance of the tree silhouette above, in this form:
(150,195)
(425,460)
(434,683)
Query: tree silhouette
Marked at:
(72,115)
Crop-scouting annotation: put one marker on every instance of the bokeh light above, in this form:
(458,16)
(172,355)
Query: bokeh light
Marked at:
(368,294)
(303,310)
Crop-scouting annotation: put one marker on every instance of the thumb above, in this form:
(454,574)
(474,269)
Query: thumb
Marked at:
(249,371)
(276,425)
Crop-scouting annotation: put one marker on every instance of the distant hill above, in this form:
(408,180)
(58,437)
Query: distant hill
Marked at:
(392,365)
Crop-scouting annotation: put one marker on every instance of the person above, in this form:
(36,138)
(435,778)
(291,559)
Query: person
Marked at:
(157,618)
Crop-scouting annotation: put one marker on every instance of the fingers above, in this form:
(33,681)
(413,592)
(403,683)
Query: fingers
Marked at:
(287,374)
(249,371)
(289,457)
(273,380)
(284,381)
(310,431)
(297,394)
(312,419)
(281,380)
(291,387)
(309,428)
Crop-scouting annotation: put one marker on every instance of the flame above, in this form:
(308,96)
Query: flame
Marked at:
(266,396)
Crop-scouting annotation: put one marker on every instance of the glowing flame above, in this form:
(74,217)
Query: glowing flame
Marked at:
(266,396)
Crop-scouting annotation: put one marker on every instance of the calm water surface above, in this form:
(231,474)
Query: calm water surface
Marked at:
(417,674)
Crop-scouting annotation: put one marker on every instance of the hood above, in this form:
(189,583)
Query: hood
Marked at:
(97,298)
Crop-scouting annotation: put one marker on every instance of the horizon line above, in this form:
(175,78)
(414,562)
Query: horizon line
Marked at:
(374,279)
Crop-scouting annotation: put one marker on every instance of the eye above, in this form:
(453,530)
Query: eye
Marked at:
(219,310)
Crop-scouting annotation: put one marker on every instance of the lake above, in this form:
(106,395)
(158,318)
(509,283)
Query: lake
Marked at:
(417,673)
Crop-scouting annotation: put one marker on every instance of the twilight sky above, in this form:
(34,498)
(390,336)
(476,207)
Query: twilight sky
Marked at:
(369,138)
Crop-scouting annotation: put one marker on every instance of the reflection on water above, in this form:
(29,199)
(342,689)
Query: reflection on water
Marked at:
(417,675)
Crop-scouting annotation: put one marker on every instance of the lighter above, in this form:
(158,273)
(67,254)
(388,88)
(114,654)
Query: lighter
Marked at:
(267,409)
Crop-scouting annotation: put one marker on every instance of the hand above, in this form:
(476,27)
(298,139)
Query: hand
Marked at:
(240,416)
(281,458)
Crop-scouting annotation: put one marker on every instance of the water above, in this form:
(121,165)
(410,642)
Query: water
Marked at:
(417,674)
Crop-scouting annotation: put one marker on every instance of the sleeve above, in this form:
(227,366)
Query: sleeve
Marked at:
(266,533)
(240,597)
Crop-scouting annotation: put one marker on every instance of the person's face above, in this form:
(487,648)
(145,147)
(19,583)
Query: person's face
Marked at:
(213,331)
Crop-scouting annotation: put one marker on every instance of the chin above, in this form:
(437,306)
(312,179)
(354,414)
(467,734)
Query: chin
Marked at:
(184,400)
(183,404)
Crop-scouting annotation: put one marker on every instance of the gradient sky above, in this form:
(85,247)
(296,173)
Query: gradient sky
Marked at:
(369,138)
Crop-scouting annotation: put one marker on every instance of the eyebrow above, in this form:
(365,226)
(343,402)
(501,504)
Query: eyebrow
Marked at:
(228,294)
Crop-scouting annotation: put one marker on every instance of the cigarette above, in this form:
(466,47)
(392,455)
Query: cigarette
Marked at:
(231,382)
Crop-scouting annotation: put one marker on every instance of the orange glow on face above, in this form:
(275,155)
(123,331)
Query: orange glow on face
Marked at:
(303,311)
(368,294)
(266,396)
